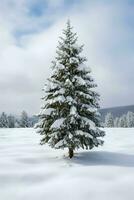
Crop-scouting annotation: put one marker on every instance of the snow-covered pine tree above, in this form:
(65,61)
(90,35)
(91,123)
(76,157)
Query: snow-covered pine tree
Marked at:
(69,116)
(3,120)
(11,121)
(116,122)
(130,119)
(123,121)
(24,121)
(17,124)
(109,120)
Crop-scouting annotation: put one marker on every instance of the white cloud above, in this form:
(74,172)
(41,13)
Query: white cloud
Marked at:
(55,3)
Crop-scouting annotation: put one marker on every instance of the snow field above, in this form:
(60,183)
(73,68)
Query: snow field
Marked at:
(29,171)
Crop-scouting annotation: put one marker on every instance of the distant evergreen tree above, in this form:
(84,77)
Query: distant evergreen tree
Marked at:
(123,121)
(109,120)
(116,122)
(17,123)
(24,120)
(3,121)
(130,119)
(11,121)
(33,120)
(69,116)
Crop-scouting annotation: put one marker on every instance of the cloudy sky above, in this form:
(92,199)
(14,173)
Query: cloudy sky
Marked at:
(29,31)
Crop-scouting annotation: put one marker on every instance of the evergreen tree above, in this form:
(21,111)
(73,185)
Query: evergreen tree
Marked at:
(116,122)
(109,120)
(24,121)
(130,119)
(69,116)
(123,121)
(3,120)
(17,124)
(11,121)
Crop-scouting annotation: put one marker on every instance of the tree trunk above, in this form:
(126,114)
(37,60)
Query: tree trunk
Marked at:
(71,153)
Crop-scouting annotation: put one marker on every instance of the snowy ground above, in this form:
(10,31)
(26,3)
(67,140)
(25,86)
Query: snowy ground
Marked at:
(29,171)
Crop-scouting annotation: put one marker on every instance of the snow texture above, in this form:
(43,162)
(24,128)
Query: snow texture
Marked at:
(73,110)
(46,111)
(59,99)
(58,123)
(79,132)
(80,80)
(89,122)
(84,67)
(31,171)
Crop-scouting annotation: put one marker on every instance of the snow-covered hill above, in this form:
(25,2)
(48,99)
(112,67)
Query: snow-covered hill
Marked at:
(29,171)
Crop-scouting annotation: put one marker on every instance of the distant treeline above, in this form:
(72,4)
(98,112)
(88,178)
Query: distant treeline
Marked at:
(126,120)
(23,121)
